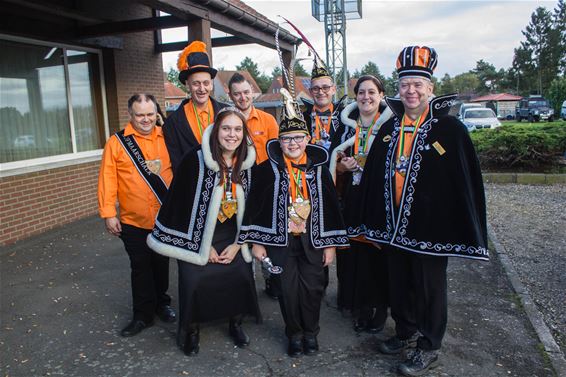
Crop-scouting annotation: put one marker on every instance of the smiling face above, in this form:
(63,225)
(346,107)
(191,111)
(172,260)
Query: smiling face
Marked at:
(368,98)
(294,144)
(322,89)
(241,95)
(199,85)
(415,93)
(143,116)
(230,133)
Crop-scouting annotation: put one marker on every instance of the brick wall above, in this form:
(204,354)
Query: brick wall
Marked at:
(35,202)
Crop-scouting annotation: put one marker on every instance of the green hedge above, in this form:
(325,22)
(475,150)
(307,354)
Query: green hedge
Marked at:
(527,146)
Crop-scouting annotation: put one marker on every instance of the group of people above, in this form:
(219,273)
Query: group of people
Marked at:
(390,187)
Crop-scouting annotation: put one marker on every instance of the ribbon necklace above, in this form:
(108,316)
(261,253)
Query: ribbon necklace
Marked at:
(229,186)
(200,128)
(402,136)
(361,142)
(319,125)
(298,181)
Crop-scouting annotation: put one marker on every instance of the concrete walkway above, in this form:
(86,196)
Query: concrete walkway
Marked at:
(65,296)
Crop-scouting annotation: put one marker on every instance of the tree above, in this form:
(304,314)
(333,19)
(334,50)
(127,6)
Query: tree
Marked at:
(557,94)
(559,23)
(248,65)
(446,86)
(391,84)
(488,77)
(300,70)
(173,78)
(372,69)
(466,83)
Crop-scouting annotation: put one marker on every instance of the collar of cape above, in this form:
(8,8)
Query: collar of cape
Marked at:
(316,155)
(207,154)
(350,114)
(438,106)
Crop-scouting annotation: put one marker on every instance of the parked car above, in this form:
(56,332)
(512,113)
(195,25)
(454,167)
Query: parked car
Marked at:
(533,109)
(563,111)
(465,106)
(478,118)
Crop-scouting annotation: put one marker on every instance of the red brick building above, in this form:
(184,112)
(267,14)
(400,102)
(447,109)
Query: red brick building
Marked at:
(67,68)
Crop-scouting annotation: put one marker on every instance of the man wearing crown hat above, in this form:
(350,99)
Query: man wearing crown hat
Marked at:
(184,128)
(424,201)
(322,115)
(292,215)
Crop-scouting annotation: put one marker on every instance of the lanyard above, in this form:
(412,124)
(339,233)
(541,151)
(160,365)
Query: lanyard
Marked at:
(200,128)
(319,125)
(297,179)
(229,186)
(402,136)
(361,142)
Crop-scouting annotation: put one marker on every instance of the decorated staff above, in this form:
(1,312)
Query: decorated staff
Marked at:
(199,223)
(424,201)
(292,216)
(361,269)
(184,128)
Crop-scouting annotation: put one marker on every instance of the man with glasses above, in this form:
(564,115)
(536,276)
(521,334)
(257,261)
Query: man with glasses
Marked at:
(292,215)
(135,172)
(322,116)
(184,128)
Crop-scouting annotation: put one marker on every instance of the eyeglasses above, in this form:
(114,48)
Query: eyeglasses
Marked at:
(296,139)
(317,89)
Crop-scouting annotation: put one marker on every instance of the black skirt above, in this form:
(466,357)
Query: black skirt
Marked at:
(216,291)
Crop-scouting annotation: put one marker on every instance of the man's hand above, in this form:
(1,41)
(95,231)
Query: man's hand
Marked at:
(328,255)
(347,164)
(113,226)
(213,256)
(259,251)
(229,253)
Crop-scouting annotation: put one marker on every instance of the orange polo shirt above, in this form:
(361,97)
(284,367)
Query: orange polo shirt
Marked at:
(262,127)
(205,116)
(120,181)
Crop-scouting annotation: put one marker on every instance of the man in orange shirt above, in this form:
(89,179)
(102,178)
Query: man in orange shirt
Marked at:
(136,172)
(183,129)
(261,125)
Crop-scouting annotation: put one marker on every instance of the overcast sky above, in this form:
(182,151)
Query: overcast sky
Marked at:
(462,32)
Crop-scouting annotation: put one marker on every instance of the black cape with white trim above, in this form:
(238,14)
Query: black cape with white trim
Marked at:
(266,218)
(442,209)
(185,225)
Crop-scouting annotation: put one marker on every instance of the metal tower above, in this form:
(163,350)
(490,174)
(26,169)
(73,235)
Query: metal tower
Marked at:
(334,13)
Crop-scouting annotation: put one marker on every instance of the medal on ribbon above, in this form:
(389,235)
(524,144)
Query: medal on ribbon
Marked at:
(229,205)
(154,166)
(300,207)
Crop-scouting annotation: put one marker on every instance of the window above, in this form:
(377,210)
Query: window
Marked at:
(51,101)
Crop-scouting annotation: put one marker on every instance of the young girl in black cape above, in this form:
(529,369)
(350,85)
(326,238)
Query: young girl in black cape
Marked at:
(199,223)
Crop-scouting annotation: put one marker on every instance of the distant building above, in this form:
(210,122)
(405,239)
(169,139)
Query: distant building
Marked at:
(271,100)
(503,104)
(173,97)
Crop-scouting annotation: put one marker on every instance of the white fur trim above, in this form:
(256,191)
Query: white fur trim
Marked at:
(344,114)
(241,198)
(213,165)
(341,148)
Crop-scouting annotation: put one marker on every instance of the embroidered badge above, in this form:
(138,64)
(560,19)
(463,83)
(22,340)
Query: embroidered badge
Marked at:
(438,148)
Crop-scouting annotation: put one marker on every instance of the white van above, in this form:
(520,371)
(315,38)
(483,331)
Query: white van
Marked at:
(465,106)
(563,111)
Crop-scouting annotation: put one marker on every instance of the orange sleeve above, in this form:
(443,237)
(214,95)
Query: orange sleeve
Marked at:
(108,181)
(272,128)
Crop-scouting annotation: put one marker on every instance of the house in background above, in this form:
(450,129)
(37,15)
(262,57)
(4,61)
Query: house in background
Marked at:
(67,69)
(173,97)
(271,100)
(503,104)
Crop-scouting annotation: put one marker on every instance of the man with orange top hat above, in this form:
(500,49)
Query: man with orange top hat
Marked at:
(424,202)
(293,216)
(184,128)
(135,172)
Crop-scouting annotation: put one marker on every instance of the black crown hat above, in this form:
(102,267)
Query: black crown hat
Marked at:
(416,61)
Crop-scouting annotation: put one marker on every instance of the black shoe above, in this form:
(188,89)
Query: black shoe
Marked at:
(241,340)
(394,345)
(135,327)
(295,348)
(364,325)
(419,363)
(191,347)
(310,345)
(166,314)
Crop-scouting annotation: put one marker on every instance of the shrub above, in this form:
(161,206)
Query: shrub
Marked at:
(521,146)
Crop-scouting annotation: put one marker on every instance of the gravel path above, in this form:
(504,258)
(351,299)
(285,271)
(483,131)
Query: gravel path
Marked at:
(530,223)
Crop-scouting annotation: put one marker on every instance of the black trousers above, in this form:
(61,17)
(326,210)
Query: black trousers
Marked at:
(301,285)
(418,296)
(149,273)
